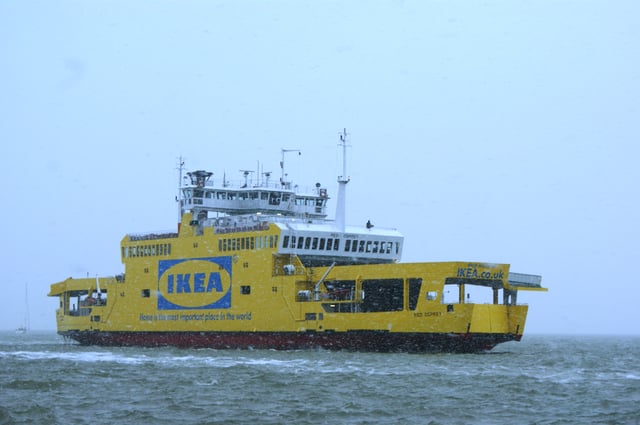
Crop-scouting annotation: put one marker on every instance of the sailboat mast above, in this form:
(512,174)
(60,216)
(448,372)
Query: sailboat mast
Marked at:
(26,303)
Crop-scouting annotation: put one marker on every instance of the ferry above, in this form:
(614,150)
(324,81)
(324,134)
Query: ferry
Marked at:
(258,265)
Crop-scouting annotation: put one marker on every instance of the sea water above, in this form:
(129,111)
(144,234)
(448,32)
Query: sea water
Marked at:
(540,380)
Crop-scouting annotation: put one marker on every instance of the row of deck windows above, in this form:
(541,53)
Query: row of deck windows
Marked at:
(322,244)
(146,250)
(258,242)
(329,244)
(381,247)
(226,244)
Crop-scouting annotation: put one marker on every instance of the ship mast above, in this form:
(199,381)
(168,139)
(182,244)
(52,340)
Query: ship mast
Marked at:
(179,197)
(342,185)
(283,182)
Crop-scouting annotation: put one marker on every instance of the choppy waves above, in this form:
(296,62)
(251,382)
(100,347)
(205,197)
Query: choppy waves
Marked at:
(542,380)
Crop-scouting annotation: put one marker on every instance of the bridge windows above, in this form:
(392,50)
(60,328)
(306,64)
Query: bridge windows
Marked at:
(274,198)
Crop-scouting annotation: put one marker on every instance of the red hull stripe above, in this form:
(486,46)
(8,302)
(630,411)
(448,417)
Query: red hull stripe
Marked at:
(352,341)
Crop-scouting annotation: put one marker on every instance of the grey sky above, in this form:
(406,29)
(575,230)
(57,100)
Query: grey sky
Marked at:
(498,131)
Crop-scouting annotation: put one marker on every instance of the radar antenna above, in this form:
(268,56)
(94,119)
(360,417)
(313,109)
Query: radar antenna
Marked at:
(246,173)
(266,175)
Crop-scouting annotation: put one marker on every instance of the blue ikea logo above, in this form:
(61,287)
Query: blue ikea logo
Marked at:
(184,286)
(194,283)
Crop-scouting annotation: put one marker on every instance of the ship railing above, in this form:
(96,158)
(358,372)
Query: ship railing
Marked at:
(284,219)
(236,229)
(152,236)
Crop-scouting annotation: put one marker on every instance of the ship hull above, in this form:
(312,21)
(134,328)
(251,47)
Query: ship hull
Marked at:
(372,341)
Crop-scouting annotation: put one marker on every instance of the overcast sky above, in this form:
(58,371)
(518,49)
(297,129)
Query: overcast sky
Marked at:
(498,131)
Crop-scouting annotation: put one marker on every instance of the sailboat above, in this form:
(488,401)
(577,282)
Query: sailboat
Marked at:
(24,327)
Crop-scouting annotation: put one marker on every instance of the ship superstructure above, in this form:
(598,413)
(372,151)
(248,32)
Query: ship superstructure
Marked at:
(301,217)
(258,264)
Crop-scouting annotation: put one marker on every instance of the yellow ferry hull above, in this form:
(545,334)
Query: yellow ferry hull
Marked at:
(271,314)
(370,341)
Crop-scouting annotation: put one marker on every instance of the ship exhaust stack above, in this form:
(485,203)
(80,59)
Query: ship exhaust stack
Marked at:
(342,185)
